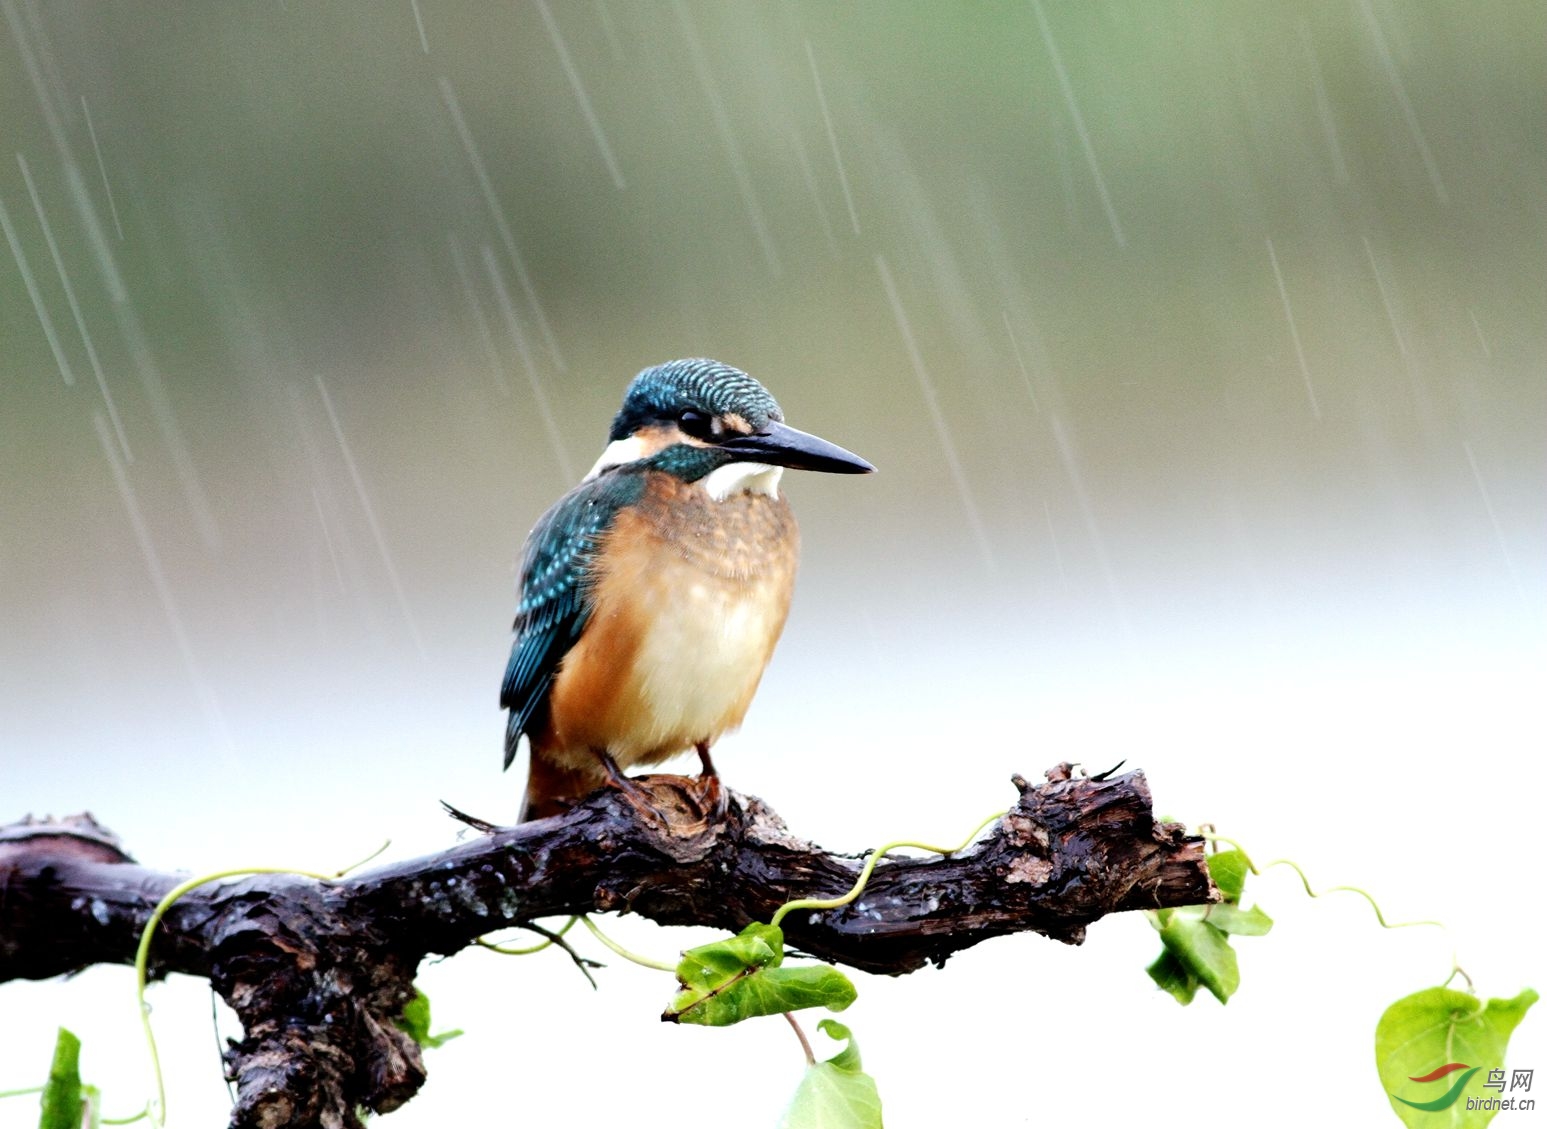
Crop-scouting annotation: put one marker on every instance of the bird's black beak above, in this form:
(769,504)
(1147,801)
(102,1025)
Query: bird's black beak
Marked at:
(785,446)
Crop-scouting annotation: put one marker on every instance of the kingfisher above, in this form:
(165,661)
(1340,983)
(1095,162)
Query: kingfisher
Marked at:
(652,594)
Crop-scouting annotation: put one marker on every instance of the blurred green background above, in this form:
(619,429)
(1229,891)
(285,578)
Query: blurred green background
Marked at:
(1201,348)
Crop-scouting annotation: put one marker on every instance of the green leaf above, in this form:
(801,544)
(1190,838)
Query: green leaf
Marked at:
(1229,918)
(1228,869)
(1197,938)
(1172,976)
(1203,951)
(1437,1028)
(62,1105)
(848,1058)
(741,977)
(836,1094)
(415,1021)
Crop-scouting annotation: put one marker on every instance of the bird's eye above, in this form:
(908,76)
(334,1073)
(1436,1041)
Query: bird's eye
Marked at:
(699,425)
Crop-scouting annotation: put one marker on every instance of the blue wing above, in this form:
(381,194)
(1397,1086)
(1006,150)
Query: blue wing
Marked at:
(555,601)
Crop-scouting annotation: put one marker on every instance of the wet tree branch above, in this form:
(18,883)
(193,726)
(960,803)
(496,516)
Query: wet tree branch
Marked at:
(317,971)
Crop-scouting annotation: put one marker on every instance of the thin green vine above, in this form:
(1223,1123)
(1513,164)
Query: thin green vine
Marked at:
(869,868)
(644,962)
(1305,882)
(156,1109)
(583,919)
(505,950)
(141,1116)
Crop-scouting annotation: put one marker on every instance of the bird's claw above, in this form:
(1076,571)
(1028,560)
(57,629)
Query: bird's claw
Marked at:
(709,798)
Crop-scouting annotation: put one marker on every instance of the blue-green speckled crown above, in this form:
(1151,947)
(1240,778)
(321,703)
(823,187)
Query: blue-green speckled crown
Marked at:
(664,392)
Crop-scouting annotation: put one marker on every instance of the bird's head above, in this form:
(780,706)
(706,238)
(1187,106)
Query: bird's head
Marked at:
(694,417)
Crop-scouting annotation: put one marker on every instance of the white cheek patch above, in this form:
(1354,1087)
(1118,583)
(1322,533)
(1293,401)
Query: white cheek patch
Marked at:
(618,452)
(737,478)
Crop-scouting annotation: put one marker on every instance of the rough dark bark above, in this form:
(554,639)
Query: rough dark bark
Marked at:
(317,971)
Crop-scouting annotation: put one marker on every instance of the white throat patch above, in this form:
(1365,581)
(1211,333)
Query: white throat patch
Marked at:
(738,478)
(618,452)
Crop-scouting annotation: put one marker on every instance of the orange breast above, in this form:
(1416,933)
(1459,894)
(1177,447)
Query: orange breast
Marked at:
(689,597)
